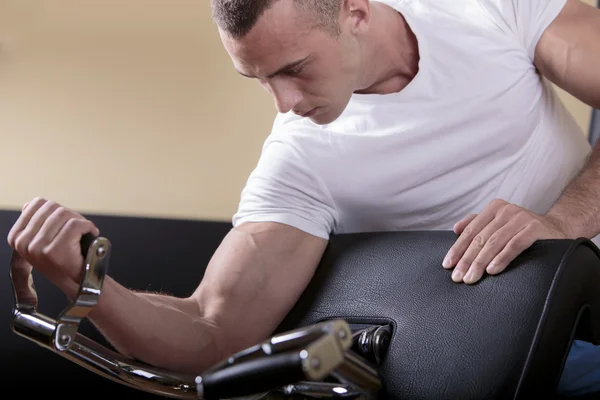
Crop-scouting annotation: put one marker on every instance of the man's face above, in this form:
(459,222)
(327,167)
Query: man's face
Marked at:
(306,69)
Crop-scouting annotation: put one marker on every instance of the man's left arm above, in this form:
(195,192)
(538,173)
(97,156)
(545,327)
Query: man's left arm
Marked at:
(568,54)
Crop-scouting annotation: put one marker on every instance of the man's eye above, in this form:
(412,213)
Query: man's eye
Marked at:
(295,71)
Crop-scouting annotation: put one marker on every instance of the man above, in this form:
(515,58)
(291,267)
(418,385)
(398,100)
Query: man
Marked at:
(393,115)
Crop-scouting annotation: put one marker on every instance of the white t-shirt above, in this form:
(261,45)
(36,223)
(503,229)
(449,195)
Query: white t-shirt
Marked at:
(477,123)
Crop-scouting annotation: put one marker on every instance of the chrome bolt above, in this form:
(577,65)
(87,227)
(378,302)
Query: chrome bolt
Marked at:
(315,363)
(64,340)
(100,252)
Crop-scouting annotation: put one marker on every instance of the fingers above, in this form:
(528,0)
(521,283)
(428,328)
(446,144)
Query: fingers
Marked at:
(470,264)
(52,232)
(29,209)
(483,260)
(40,223)
(469,233)
(65,248)
(36,215)
(460,226)
(492,246)
(515,246)
(23,281)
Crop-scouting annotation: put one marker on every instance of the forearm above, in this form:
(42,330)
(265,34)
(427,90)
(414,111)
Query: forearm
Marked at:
(160,330)
(578,209)
(254,278)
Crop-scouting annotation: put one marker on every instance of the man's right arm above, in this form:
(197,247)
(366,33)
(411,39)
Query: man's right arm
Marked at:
(252,281)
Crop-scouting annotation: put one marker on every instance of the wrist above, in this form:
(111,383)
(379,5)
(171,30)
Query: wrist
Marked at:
(563,223)
(69,287)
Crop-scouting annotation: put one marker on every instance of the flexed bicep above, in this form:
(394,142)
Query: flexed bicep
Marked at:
(254,279)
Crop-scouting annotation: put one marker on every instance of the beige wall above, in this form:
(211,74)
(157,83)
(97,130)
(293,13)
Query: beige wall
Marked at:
(124,107)
(128,107)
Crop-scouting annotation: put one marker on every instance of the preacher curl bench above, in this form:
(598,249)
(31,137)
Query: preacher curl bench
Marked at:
(380,319)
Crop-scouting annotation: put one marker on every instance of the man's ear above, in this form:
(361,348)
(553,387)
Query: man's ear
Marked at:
(357,13)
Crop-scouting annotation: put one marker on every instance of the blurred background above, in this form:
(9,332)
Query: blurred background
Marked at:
(129,108)
(124,109)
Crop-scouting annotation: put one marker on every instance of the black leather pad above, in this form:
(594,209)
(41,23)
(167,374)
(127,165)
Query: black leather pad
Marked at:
(505,337)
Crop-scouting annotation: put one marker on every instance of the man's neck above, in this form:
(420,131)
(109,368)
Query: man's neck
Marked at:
(393,44)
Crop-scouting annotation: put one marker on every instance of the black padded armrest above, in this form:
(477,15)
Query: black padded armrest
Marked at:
(505,337)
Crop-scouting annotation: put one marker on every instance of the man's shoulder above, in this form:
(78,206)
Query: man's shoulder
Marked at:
(288,140)
(292,124)
(293,131)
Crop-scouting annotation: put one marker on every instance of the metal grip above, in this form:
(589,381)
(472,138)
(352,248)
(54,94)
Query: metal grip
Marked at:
(58,335)
(96,254)
(85,243)
(254,376)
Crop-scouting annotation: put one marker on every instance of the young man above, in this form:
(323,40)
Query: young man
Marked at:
(393,115)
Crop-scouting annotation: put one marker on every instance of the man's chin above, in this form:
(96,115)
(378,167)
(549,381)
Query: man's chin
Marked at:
(324,117)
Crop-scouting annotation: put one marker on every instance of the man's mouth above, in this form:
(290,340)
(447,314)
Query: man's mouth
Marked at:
(310,113)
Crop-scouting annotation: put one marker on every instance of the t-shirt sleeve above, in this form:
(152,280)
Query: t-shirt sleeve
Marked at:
(525,19)
(284,189)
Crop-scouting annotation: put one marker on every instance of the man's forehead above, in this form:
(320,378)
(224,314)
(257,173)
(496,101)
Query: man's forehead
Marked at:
(267,53)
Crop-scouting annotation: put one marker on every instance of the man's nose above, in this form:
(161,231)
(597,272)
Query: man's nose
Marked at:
(286,96)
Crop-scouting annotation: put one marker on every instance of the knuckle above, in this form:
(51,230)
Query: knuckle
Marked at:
(10,238)
(48,251)
(34,248)
(61,211)
(468,231)
(535,225)
(52,205)
(72,223)
(465,262)
(479,241)
(21,244)
(493,240)
(498,203)
(511,209)
(38,200)
(470,218)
